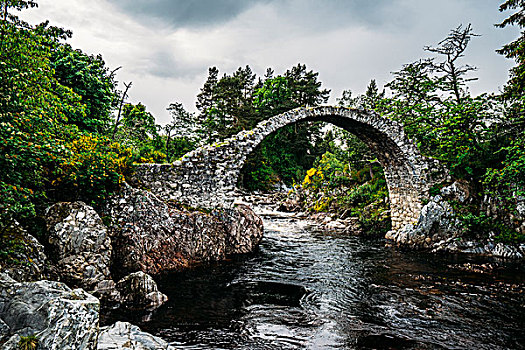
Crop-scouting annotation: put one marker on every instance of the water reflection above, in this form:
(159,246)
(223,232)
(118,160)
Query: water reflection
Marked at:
(308,289)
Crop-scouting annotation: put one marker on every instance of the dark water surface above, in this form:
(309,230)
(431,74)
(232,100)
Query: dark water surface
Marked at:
(314,290)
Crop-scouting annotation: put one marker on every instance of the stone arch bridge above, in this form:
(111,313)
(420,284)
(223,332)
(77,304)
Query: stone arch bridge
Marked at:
(207,176)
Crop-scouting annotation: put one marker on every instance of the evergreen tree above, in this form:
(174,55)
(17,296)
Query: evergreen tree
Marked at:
(516,49)
(291,150)
(181,132)
(88,76)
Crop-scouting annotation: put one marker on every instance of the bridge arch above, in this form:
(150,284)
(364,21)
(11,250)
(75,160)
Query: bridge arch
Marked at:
(207,176)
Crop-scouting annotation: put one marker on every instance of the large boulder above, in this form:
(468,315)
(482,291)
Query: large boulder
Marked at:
(26,258)
(59,317)
(80,242)
(123,335)
(151,236)
(139,290)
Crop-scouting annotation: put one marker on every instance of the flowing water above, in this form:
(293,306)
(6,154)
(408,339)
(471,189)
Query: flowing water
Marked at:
(308,289)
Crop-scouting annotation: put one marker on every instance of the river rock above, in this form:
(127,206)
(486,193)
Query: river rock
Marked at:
(123,335)
(61,318)
(4,331)
(139,290)
(28,258)
(151,236)
(80,242)
(489,248)
(107,292)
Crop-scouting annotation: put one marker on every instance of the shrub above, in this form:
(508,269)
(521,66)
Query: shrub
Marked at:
(28,343)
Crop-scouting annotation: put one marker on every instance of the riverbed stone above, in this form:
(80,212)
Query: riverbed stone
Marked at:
(4,330)
(139,290)
(80,243)
(244,230)
(60,317)
(123,335)
(437,222)
(458,191)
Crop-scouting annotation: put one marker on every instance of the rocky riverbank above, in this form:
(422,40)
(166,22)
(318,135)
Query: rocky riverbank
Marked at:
(438,228)
(52,291)
(53,316)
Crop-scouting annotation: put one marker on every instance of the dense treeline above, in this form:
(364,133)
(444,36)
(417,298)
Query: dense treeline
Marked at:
(67,133)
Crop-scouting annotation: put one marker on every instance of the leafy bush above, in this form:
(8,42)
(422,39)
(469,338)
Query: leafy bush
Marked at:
(91,170)
(483,226)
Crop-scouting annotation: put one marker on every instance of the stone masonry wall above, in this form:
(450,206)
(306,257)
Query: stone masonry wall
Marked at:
(207,176)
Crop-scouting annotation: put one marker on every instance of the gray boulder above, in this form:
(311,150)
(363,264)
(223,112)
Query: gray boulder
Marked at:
(107,292)
(4,331)
(61,318)
(153,236)
(27,262)
(123,335)
(80,242)
(139,290)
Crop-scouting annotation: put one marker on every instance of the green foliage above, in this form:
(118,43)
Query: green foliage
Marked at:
(257,174)
(225,104)
(181,133)
(236,102)
(11,248)
(29,342)
(515,50)
(332,186)
(431,99)
(138,125)
(372,99)
(41,155)
(507,182)
(92,169)
(482,226)
(88,77)
(292,149)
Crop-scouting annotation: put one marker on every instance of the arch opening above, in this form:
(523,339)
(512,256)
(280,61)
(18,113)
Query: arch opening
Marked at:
(334,171)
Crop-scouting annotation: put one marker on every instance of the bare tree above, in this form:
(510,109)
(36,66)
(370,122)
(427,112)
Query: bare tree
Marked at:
(119,115)
(453,47)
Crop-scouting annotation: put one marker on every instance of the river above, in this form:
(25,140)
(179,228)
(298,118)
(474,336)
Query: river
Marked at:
(309,289)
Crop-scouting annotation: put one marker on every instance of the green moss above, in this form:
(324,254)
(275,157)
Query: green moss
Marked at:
(13,247)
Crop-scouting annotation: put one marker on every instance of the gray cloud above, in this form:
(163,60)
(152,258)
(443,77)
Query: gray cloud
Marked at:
(348,42)
(164,64)
(186,13)
(318,14)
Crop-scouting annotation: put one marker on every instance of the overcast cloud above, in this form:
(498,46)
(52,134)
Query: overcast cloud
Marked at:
(166,46)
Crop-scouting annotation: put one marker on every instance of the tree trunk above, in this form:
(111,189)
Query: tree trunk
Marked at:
(120,109)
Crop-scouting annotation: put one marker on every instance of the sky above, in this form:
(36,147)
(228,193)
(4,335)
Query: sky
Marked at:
(165,47)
